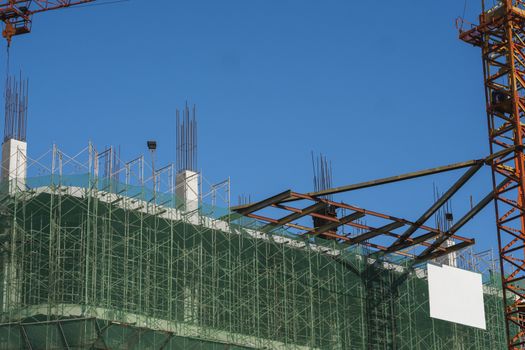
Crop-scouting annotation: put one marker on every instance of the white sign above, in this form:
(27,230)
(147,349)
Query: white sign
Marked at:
(456,295)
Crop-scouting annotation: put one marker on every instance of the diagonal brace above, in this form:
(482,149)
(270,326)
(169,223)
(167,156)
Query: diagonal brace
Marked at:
(466,218)
(438,204)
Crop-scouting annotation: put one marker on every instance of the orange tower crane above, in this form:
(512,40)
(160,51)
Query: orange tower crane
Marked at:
(17,14)
(501,36)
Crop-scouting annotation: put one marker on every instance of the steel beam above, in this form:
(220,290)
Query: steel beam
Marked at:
(409,242)
(332,225)
(446,251)
(383,181)
(244,210)
(398,178)
(376,232)
(461,222)
(294,216)
(438,204)
(266,219)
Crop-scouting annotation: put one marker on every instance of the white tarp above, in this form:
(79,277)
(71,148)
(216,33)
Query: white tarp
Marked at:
(456,295)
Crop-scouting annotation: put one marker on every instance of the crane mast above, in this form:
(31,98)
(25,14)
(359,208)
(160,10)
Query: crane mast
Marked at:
(17,14)
(501,36)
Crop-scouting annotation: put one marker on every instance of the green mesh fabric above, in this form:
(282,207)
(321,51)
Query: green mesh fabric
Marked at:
(88,270)
(96,334)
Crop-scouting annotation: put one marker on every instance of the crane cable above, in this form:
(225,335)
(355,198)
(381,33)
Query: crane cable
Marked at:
(8,58)
(461,19)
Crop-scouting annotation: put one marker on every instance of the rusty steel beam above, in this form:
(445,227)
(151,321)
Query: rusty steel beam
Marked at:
(266,219)
(380,248)
(438,204)
(409,242)
(385,230)
(383,181)
(333,225)
(445,251)
(364,211)
(334,222)
(335,236)
(461,222)
(294,216)
(264,203)
(376,232)
(397,178)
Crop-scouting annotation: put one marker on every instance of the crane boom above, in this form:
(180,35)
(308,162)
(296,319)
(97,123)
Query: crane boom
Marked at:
(17,14)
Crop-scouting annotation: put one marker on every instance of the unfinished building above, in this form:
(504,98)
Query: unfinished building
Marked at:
(97,255)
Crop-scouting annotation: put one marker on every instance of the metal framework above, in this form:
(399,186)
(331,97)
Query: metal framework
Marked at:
(501,36)
(17,14)
(91,262)
(413,239)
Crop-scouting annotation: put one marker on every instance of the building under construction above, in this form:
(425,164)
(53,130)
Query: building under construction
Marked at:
(90,262)
(99,252)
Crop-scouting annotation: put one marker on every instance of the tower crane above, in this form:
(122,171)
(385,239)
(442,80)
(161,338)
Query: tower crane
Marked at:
(17,14)
(500,34)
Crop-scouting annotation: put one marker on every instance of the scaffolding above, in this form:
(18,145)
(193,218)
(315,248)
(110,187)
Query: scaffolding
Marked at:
(90,261)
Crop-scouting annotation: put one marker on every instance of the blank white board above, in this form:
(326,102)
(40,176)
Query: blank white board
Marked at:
(456,295)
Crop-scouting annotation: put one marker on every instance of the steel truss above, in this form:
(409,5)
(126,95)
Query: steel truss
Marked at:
(501,36)
(404,235)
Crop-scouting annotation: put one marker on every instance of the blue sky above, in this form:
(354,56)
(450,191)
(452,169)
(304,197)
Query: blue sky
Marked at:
(380,88)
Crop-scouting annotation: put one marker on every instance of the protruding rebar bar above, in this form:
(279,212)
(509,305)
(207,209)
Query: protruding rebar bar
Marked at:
(16,102)
(186,135)
(322,173)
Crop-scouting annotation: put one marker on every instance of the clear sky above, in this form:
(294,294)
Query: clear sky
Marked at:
(380,88)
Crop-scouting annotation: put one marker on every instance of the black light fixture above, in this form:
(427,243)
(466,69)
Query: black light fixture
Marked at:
(152,145)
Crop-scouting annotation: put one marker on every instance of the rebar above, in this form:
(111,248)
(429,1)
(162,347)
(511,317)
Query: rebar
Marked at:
(186,139)
(16,103)
(322,169)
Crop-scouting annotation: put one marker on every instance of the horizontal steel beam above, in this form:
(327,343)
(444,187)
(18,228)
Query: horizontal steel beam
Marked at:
(294,216)
(409,242)
(376,232)
(397,178)
(248,209)
(332,225)
(266,219)
(446,251)
(383,181)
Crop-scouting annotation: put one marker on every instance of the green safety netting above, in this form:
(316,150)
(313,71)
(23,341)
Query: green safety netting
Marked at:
(134,278)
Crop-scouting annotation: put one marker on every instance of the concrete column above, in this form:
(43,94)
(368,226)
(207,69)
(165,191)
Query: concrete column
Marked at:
(14,164)
(14,172)
(187,192)
(450,259)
